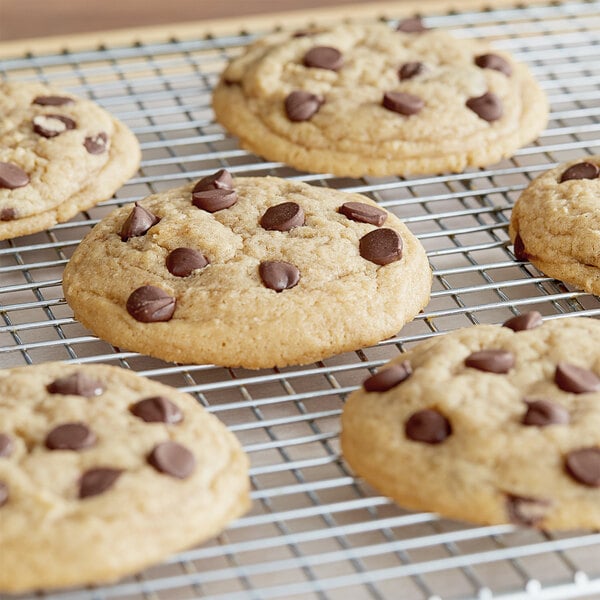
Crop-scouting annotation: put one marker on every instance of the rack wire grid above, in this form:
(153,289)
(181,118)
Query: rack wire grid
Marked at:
(314,530)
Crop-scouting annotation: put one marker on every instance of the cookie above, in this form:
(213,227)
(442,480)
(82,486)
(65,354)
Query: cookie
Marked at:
(555,223)
(103,472)
(256,272)
(59,154)
(365,99)
(487,424)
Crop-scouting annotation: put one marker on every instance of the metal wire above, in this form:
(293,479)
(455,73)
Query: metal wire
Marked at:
(315,531)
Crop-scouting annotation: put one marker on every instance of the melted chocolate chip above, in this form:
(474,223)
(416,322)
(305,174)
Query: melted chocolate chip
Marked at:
(98,480)
(212,200)
(278,275)
(283,217)
(575,380)
(172,459)
(381,246)
(96,144)
(389,378)
(363,213)
(491,361)
(494,61)
(3,493)
(526,511)
(70,436)
(324,57)
(583,465)
(487,107)
(541,413)
(182,262)
(221,180)
(8,214)
(50,126)
(410,69)
(139,221)
(411,25)
(157,409)
(52,100)
(6,445)
(428,426)
(76,384)
(402,103)
(150,304)
(528,320)
(582,170)
(519,249)
(301,106)
(12,176)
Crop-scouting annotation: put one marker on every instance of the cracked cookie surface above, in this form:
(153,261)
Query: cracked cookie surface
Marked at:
(555,223)
(103,473)
(487,424)
(280,273)
(59,154)
(359,100)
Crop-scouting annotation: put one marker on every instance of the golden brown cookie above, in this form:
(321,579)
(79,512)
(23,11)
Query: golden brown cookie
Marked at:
(256,272)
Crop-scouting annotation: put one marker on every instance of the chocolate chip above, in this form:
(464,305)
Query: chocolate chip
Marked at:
(221,180)
(70,436)
(363,213)
(182,262)
(172,459)
(429,426)
(96,144)
(76,384)
(494,61)
(8,214)
(583,465)
(50,126)
(213,200)
(528,320)
(138,222)
(157,409)
(150,304)
(6,445)
(410,69)
(3,493)
(98,480)
(400,102)
(491,361)
(381,246)
(324,57)
(582,170)
(301,106)
(389,378)
(278,275)
(541,413)
(576,380)
(52,100)
(12,177)
(519,249)
(283,217)
(526,511)
(487,107)
(411,25)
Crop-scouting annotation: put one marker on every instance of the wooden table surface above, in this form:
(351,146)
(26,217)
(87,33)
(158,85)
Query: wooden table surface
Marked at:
(21,19)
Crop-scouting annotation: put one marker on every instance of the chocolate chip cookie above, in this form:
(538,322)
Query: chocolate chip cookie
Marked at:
(252,272)
(555,223)
(103,472)
(59,154)
(368,99)
(489,424)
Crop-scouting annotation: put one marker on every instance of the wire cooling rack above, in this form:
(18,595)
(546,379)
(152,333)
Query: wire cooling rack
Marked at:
(314,530)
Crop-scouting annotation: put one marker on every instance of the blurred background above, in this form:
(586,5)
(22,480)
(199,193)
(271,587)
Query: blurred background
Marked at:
(35,18)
